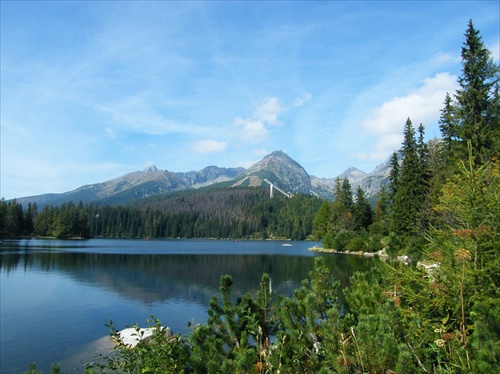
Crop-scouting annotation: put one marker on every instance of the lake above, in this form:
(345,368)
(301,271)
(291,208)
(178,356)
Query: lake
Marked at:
(57,295)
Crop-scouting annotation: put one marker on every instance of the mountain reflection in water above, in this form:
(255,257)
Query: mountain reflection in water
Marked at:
(58,295)
(151,278)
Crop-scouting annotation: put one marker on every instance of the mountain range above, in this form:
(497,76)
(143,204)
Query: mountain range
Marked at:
(276,168)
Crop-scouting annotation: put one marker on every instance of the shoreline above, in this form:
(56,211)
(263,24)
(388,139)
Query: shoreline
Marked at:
(382,254)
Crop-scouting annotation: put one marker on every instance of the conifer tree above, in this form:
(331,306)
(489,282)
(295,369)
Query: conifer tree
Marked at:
(447,125)
(412,187)
(382,206)
(321,221)
(394,175)
(363,215)
(342,207)
(476,99)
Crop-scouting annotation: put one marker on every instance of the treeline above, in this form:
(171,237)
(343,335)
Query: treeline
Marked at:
(16,220)
(224,213)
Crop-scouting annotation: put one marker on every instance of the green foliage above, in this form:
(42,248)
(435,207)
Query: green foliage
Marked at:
(394,175)
(223,213)
(162,353)
(342,240)
(66,221)
(342,217)
(336,224)
(356,244)
(321,222)
(382,205)
(15,220)
(412,192)
(54,369)
(362,211)
(476,99)
(473,115)
(309,325)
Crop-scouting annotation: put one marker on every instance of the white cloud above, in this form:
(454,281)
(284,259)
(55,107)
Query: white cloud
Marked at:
(301,100)
(447,59)
(250,130)
(382,148)
(268,111)
(423,105)
(209,146)
(495,51)
(255,129)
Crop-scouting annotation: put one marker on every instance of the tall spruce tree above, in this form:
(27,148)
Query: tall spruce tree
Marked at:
(412,185)
(447,124)
(425,175)
(342,207)
(394,175)
(476,99)
(363,214)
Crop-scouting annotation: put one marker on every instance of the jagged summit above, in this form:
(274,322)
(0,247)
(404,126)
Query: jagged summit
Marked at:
(353,175)
(150,169)
(280,169)
(277,167)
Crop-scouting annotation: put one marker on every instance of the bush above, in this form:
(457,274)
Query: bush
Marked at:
(357,244)
(328,241)
(342,239)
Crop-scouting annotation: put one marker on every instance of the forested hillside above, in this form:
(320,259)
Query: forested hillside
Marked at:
(219,213)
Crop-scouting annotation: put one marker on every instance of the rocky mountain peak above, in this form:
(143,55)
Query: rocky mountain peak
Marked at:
(150,169)
(277,168)
(352,174)
(281,169)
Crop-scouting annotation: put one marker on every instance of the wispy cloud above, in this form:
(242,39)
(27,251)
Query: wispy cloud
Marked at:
(209,146)
(495,51)
(135,114)
(255,129)
(268,112)
(303,99)
(250,130)
(260,152)
(447,59)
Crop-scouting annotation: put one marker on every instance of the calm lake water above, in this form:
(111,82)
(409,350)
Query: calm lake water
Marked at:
(56,296)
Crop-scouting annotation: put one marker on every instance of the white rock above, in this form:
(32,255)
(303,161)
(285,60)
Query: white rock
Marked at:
(132,336)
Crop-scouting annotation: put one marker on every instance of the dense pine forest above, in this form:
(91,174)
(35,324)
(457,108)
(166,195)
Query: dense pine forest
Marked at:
(439,314)
(215,213)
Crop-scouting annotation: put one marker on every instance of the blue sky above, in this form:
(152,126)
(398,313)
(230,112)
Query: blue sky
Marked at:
(93,90)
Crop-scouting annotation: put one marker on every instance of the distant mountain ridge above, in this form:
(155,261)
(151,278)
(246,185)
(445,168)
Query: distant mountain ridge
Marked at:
(277,168)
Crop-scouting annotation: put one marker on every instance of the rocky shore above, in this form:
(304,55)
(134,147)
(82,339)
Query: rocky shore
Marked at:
(381,254)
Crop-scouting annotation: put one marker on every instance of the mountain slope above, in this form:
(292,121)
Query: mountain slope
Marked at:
(277,167)
(136,185)
(210,175)
(369,182)
(281,170)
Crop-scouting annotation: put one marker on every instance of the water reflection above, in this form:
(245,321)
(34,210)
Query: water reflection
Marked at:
(151,278)
(57,295)
(148,278)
